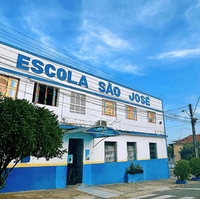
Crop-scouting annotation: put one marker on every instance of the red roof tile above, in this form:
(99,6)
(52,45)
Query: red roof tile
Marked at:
(188,139)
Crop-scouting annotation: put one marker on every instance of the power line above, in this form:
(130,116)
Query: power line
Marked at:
(65,54)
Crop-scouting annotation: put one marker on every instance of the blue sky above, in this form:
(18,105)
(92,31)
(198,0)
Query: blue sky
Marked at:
(154,45)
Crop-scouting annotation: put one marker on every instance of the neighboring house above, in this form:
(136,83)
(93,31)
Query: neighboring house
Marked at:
(178,144)
(107,125)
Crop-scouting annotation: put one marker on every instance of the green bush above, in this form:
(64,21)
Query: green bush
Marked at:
(195,166)
(134,169)
(182,170)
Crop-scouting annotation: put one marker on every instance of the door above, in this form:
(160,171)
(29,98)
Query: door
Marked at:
(75,165)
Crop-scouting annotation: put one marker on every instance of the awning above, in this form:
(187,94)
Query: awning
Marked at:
(95,132)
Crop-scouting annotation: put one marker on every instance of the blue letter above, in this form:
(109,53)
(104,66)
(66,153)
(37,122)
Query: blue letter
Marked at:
(63,76)
(147,101)
(20,61)
(137,98)
(69,79)
(131,97)
(109,89)
(117,91)
(83,81)
(102,85)
(142,99)
(36,63)
(47,67)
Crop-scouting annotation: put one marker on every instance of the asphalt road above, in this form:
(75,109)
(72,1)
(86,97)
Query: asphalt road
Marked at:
(187,192)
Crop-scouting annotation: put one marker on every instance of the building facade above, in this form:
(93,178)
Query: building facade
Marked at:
(107,125)
(178,145)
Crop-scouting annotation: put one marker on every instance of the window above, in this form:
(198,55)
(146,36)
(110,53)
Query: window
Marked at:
(131,113)
(77,103)
(8,86)
(109,108)
(131,151)
(153,150)
(110,151)
(151,117)
(45,94)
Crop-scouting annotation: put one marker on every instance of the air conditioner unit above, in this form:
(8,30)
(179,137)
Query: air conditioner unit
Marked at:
(101,123)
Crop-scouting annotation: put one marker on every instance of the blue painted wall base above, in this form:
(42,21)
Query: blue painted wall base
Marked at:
(35,178)
(114,172)
(51,177)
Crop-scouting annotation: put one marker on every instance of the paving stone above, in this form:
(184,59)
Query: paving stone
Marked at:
(94,191)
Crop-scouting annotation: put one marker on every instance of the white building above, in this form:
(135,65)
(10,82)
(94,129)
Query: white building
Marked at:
(107,125)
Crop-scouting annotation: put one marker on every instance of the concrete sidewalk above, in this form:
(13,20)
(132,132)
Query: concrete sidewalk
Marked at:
(81,191)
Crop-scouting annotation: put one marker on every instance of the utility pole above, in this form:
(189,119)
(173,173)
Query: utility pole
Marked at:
(193,122)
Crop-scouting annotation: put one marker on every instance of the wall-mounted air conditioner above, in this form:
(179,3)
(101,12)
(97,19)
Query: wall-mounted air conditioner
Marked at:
(101,123)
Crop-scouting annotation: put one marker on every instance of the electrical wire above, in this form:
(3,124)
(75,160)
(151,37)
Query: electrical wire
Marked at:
(58,51)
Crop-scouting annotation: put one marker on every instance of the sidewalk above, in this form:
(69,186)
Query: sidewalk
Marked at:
(81,191)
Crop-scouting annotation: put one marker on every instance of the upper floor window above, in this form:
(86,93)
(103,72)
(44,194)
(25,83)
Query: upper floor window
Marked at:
(109,108)
(8,86)
(45,94)
(77,103)
(151,117)
(131,113)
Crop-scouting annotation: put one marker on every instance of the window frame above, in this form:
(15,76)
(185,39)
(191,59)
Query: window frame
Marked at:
(134,151)
(128,112)
(148,118)
(9,86)
(37,94)
(104,108)
(114,143)
(81,104)
(153,156)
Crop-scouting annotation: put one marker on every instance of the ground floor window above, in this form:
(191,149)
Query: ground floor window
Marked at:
(45,94)
(110,151)
(131,151)
(8,86)
(153,150)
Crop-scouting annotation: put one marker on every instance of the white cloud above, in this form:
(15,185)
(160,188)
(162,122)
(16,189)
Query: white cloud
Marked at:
(180,53)
(96,34)
(152,8)
(121,66)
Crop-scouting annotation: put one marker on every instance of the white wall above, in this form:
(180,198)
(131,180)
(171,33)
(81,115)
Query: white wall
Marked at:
(93,102)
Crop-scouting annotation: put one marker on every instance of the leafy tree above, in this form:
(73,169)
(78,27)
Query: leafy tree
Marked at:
(195,166)
(182,170)
(26,130)
(187,151)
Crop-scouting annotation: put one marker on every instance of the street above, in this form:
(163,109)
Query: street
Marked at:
(187,192)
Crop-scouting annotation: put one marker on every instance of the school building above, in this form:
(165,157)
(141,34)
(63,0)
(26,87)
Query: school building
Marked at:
(107,125)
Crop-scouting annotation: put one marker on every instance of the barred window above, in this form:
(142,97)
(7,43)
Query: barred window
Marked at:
(131,113)
(77,103)
(45,94)
(153,150)
(8,86)
(151,117)
(131,151)
(109,108)
(110,152)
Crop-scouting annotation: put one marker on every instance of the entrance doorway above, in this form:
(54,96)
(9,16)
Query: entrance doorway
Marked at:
(75,161)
